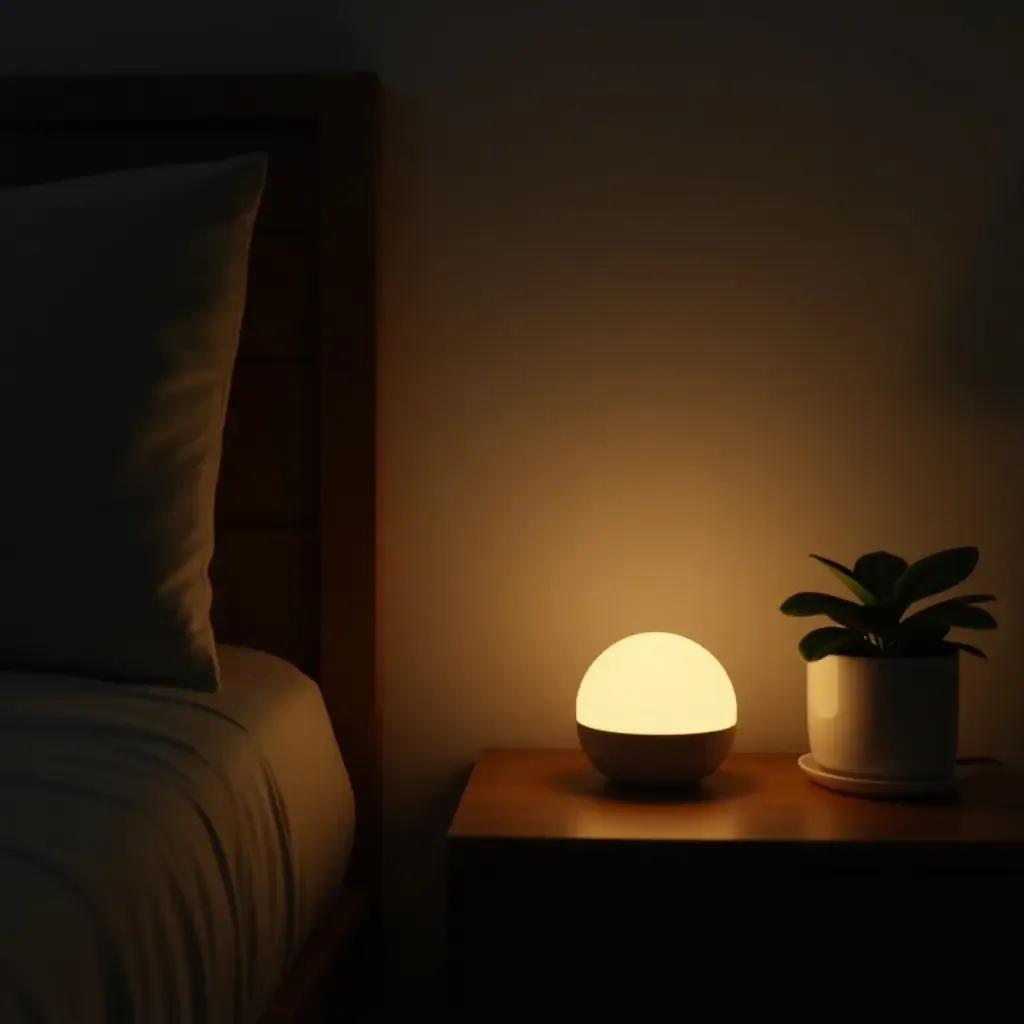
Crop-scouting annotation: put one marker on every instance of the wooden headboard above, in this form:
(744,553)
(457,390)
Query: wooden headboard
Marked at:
(295,562)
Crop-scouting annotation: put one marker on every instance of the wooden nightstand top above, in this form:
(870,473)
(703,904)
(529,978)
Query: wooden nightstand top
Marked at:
(556,794)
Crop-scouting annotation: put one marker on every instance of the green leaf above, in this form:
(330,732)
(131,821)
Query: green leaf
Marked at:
(848,579)
(928,634)
(846,613)
(819,643)
(859,647)
(919,643)
(955,612)
(967,649)
(934,574)
(879,571)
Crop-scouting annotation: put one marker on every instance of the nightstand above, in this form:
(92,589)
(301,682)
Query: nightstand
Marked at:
(760,892)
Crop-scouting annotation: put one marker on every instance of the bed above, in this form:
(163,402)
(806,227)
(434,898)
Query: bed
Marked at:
(103,780)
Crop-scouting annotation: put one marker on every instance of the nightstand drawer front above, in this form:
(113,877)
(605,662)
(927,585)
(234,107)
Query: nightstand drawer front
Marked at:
(531,930)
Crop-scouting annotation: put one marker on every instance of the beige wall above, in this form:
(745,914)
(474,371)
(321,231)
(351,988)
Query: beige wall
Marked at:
(668,302)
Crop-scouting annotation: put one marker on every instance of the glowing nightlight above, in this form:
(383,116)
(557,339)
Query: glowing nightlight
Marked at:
(656,709)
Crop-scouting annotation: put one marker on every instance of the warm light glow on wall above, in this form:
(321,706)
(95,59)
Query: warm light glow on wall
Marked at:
(656,684)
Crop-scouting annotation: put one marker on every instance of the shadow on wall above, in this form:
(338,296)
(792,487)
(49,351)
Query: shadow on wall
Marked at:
(981,339)
(54,37)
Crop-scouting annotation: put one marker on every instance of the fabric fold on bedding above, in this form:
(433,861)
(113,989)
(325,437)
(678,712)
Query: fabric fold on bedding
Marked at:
(163,853)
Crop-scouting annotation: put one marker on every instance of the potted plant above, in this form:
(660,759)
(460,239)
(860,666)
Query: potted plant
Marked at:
(883,682)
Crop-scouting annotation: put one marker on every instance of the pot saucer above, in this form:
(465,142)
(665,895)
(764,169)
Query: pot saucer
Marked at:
(879,789)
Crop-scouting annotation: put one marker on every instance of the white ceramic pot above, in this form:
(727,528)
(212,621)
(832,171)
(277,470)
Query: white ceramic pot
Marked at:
(885,718)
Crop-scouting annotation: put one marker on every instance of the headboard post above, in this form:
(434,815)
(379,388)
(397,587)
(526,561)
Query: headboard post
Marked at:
(347,304)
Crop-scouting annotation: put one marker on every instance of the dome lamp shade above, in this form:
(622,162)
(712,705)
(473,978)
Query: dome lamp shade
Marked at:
(656,710)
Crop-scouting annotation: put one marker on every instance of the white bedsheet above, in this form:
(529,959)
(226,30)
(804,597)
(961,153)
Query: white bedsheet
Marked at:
(163,854)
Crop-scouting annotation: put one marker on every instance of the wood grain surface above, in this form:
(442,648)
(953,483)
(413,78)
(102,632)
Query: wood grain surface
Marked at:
(556,794)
